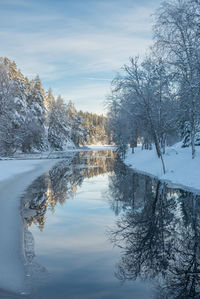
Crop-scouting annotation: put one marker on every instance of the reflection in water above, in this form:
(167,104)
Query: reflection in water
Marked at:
(61,182)
(159,232)
(54,187)
(158,228)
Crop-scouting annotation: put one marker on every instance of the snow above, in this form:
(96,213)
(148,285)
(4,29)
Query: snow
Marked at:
(15,176)
(10,168)
(181,169)
(101,147)
(38,155)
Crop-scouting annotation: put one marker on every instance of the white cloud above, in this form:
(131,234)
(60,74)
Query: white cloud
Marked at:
(78,47)
(81,53)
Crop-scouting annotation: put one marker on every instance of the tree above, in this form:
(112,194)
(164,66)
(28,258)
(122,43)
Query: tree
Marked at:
(13,107)
(59,129)
(140,99)
(177,36)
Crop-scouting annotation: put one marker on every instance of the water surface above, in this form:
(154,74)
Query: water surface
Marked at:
(93,228)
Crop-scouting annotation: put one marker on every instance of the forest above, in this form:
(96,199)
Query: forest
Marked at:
(156,99)
(32,120)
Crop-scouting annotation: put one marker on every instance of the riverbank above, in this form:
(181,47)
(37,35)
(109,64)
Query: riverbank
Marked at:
(181,169)
(21,163)
(15,177)
(11,168)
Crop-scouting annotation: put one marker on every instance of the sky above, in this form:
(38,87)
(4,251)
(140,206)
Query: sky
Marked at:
(76,46)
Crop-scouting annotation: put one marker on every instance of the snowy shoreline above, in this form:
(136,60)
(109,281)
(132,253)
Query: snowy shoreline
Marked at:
(22,163)
(181,170)
(15,177)
(56,154)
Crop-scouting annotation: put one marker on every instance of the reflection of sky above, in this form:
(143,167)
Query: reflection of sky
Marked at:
(75,249)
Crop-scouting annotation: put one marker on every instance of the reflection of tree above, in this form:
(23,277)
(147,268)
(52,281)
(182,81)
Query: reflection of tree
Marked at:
(159,233)
(145,233)
(34,272)
(96,163)
(34,201)
(61,182)
(183,279)
(127,189)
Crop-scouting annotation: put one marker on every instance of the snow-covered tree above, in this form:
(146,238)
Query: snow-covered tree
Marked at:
(31,120)
(141,104)
(177,37)
(35,101)
(78,132)
(13,106)
(59,129)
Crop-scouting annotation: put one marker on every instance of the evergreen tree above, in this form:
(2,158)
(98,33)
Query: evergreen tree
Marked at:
(59,129)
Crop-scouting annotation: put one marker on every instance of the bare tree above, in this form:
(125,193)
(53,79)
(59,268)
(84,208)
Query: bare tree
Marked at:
(177,36)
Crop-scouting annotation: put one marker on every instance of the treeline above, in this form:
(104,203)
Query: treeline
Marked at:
(97,125)
(157,99)
(32,120)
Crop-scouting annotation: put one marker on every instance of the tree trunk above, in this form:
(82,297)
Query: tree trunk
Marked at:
(193,131)
(193,143)
(159,151)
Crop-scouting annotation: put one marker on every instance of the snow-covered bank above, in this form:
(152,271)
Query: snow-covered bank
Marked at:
(15,177)
(21,163)
(181,169)
(56,154)
(10,168)
(101,147)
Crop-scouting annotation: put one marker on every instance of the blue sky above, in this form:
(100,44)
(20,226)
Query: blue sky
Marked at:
(76,46)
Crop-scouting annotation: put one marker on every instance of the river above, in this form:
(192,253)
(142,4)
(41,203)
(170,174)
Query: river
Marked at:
(94,228)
